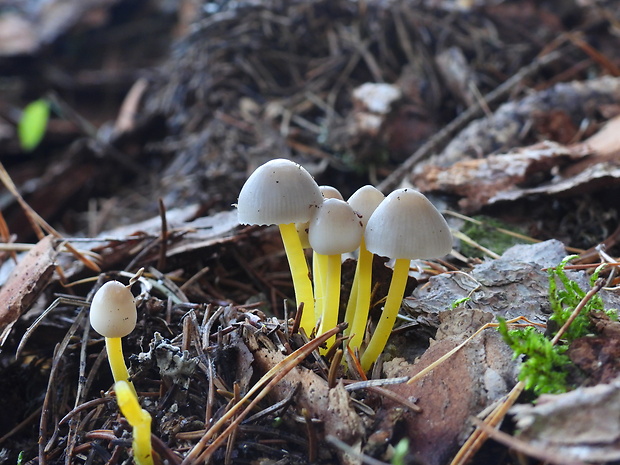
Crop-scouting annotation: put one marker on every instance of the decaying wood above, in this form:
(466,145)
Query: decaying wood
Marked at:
(30,277)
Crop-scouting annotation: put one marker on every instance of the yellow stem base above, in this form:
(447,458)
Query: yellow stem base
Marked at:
(331,302)
(362,302)
(139,419)
(300,274)
(388,316)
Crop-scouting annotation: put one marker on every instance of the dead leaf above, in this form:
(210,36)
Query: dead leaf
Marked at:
(582,424)
(547,168)
(29,278)
(598,356)
(475,376)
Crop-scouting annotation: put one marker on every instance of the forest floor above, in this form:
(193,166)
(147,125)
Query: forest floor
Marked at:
(149,116)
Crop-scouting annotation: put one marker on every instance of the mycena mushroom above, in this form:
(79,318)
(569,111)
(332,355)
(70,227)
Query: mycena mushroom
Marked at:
(328,192)
(282,192)
(334,230)
(113,315)
(405,226)
(364,201)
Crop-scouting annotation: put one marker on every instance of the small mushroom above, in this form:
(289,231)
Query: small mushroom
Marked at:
(282,192)
(328,192)
(113,314)
(364,201)
(405,226)
(334,230)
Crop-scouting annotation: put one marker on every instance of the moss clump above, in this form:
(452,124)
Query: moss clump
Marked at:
(487,232)
(546,367)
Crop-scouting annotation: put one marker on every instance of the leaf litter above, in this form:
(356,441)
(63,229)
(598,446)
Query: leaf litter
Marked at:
(207,335)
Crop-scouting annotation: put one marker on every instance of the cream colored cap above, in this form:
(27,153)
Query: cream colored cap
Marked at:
(328,192)
(407,225)
(335,229)
(365,200)
(113,310)
(278,192)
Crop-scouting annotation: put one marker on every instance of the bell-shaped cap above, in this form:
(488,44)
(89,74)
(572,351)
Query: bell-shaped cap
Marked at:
(113,310)
(278,192)
(335,228)
(365,200)
(407,225)
(328,192)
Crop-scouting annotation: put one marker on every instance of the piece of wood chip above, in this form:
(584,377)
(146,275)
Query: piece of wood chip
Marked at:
(31,275)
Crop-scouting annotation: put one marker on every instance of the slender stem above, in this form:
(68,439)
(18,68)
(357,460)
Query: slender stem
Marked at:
(388,317)
(320,282)
(331,304)
(114,348)
(349,314)
(299,272)
(362,307)
(318,276)
(139,419)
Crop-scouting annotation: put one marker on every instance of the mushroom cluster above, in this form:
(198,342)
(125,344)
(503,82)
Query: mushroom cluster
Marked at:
(402,226)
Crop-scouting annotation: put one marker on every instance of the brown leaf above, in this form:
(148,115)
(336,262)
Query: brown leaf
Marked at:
(31,275)
(475,376)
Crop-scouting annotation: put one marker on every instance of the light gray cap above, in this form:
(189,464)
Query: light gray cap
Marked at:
(407,225)
(365,200)
(328,192)
(335,229)
(113,310)
(278,192)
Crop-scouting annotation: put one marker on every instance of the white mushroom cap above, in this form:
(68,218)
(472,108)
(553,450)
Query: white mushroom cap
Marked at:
(113,310)
(407,225)
(365,200)
(278,192)
(328,192)
(335,229)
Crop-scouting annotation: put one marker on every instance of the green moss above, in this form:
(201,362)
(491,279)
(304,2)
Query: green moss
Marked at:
(546,367)
(488,235)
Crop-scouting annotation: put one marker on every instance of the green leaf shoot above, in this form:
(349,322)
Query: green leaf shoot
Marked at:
(33,124)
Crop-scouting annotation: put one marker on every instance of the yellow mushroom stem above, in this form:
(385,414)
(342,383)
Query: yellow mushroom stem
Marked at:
(349,313)
(318,277)
(363,274)
(114,348)
(299,272)
(388,316)
(139,419)
(331,300)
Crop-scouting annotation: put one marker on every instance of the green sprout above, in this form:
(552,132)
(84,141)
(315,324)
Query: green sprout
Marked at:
(400,452)
(32,124)
(460,301)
